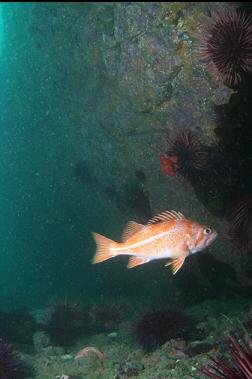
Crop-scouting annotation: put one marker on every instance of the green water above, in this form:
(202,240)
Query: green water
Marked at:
(52,81)
(69,152)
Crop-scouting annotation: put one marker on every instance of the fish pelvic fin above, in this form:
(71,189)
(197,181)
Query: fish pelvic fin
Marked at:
(176,264)
(103,251)
(136,261)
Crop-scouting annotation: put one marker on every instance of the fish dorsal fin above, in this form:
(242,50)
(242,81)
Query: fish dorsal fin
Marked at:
(176,264)
(131,228)
(166,216)
(136,261)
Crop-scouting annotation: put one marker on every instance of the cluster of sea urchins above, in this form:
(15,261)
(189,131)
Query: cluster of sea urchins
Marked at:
(11,364)
(227,45)
(240,364)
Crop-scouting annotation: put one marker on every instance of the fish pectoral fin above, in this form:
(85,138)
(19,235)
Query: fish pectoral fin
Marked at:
(136,261)
(176,264)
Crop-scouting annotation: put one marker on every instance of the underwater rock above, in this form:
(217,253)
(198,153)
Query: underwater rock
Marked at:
(41,315)
(52,351)
(140,175)
(153,58)
(176,344)
(198,347)
(112,335)
(136,200)
(128,369)
(40,341)
(67,357)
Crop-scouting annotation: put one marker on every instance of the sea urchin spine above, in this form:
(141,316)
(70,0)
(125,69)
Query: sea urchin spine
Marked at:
(227,45)
(241,365)
(240,224)
(190,154)
(11,364)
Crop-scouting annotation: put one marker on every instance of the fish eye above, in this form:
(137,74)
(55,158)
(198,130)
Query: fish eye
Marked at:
(207,231)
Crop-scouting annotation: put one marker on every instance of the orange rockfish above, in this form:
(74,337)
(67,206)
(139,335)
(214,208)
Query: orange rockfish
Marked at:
(168,235)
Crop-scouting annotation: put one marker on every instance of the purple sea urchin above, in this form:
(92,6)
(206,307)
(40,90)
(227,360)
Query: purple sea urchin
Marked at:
(240,224)
(66,323)
(11,364)
(227,45)
(107,317)
(190,153)
(155,327)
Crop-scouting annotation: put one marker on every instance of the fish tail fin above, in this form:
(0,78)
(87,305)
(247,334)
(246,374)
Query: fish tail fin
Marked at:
(104,245)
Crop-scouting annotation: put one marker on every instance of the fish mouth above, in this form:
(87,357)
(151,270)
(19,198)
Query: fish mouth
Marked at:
(212,238)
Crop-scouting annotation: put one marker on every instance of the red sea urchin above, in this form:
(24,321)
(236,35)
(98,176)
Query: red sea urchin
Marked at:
(227,45)
(240,365)
(11,364)
(190,153)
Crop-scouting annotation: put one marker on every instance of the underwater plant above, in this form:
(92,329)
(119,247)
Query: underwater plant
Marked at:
(240,364)
(66,323)
(11,364)
(186,154)
(155,327)
(227,45)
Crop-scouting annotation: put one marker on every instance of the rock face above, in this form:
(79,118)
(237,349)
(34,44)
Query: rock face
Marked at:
(97,89)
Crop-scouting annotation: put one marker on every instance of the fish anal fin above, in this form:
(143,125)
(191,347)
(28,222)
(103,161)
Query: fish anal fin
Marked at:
(166,216)
(131,229)
(176,264)
(169,263)
(136,261)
